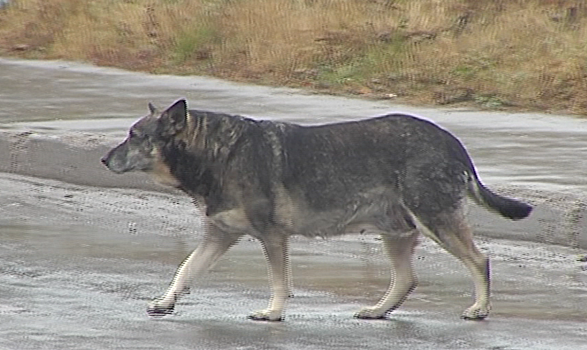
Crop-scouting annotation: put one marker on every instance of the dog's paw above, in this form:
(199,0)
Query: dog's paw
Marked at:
(158,309)
(476,313)
(371,313)
(266,315)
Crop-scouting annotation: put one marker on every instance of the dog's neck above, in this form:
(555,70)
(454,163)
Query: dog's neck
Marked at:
(192,169)
(197,156)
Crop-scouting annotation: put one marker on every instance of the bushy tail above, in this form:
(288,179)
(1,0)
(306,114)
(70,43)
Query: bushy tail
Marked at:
(507,207)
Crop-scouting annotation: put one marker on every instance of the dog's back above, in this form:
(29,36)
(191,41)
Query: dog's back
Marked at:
(370,170)
(337,161)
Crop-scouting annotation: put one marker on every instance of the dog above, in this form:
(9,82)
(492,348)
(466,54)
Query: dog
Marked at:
(396,175)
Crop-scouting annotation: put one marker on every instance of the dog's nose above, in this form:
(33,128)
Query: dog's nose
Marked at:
(104,160)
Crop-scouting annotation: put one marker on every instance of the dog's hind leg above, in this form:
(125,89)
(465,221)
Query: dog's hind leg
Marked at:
(454,235)
(212,247)
(403,279)
(276,249)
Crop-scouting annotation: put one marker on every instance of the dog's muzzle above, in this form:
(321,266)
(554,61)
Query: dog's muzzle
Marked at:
(107,161)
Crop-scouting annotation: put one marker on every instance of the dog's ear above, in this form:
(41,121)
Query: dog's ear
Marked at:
(153,109)
(174,118)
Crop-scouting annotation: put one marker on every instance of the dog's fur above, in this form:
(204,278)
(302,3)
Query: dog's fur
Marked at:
(395,175)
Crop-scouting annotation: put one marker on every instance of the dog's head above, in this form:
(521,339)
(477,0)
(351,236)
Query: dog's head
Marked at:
(141,150)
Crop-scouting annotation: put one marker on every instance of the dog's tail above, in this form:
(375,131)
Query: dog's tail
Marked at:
(506,207)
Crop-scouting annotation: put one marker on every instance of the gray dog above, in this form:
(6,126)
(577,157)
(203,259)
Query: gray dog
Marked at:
(396,175)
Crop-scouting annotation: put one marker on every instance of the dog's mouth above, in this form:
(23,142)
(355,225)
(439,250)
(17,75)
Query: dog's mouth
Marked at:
(116,171)
(106,160)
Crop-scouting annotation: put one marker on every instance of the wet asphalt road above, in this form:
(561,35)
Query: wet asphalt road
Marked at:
(82,250)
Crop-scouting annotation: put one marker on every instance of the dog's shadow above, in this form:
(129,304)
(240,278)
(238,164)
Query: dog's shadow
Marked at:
(315,330)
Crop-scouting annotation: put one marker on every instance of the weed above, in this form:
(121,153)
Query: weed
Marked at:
(196,42)
(489,101)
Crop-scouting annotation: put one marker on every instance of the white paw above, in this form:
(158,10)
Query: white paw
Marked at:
(158,308)
(476,312)
(267,315)
(371,313)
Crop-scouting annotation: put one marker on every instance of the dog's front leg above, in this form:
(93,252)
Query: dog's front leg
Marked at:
(276,249)
(212,247)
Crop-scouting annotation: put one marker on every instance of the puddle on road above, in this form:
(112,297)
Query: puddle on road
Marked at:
(70,288)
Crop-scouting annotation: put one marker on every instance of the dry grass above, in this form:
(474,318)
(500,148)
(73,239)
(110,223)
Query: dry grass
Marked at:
(492,53)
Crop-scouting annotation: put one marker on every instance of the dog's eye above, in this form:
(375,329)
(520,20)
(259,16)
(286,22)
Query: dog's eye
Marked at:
(134,134)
